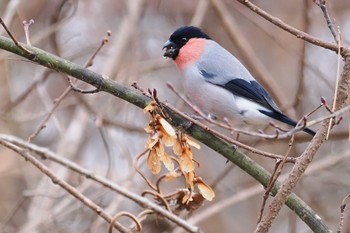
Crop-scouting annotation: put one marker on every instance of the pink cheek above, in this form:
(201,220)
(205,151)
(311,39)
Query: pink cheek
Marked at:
(190,53)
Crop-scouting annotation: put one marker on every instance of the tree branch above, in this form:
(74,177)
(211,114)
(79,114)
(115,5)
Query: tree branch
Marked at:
(299,34)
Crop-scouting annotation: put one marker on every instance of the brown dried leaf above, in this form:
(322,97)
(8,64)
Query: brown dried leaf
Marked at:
(186,162)
(177,148)
(166,126)
(164,157)
(153,162)
(193,143)
(206,191)
(168,140)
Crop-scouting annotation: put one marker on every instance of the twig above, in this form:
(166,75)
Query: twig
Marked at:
(302,57)
(138,170)
(277,172)
(63,184)
(268,189)
(330,24)
(26,93)
(26,29)
(299,34)
(158,196)
(89,63)
(43,123)
(336,83)
(127,214)
(14,39)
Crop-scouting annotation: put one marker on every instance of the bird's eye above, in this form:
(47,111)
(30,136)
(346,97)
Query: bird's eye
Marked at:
(184,40)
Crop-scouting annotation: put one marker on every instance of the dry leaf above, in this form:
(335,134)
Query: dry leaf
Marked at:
(164,157)
(206,191)
(168,140)
(153,162)
(167,161)
(166,126)
(177,148)
(186,162)
(193,143)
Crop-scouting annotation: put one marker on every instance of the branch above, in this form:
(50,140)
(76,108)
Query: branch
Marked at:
(299,34)
(105,84)
(56,180)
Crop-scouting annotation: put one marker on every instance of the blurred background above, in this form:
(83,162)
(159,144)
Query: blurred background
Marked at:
(104,134)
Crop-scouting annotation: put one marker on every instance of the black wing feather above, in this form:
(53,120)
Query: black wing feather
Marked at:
(253,91)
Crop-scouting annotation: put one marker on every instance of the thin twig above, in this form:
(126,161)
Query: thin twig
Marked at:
(336,82)
(299,34)
(268,189)
(302,57)
(14,39)
(127,214)
(63,184)
(26,29)
(43,123)
(157,196)
(274,177)
(138,170)
(330,23)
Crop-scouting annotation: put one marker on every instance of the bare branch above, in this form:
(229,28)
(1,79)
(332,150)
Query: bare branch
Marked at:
(299,34)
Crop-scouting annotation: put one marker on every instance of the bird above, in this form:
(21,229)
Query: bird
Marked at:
(218,84)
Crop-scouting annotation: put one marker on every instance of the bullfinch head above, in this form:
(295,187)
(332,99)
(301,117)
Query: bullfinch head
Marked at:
(218,83)
(185,45)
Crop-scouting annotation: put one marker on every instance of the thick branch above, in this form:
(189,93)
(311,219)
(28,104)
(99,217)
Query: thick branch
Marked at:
(107,85)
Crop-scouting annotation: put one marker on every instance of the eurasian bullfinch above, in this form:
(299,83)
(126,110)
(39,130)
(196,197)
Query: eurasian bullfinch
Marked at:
(217,82)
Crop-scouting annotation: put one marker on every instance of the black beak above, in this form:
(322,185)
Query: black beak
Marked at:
(170,49)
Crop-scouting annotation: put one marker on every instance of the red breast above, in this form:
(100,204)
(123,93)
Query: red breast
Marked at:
(190,52)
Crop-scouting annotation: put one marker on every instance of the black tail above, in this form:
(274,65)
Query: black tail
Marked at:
(283,118)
